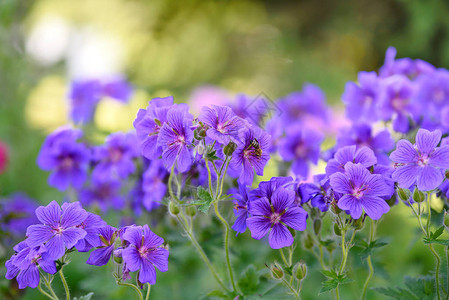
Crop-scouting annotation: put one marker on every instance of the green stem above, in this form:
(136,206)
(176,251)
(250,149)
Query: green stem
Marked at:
(148,292)
(291,288)
(345,251)
(203,255)
(447,262)
(132,286)
(50,289)
(368,260)
(437,257)
(222,179)
(283,257)
(44,292)
(66,286)
(209,177)
(227,231)
(418,216)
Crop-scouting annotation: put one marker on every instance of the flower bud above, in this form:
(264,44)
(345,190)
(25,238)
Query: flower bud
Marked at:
(337,229)
(229,148)
(335,209)
(173,208)
(317,226)
(308,241)
(358,223)
(118,255)
(404,194)
(199,149)
(190,211)
(300,270)
(418,196)
(276,271)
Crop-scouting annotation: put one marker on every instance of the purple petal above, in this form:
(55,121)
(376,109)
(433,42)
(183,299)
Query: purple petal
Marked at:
(296,218)
(406,176)
(132,258)
(38,234)
(72,235)
(404,153)
(348,202)
(73,215)
(100,256)
(440,158)
(151,240)
(133,235)
(260,207)
(375,207)
(357,173)
(345,154)
(29,277)
(184,159)
(280,237)
(340,183)
(366,157)
(11,270)
(159,258)
(147,273)
(48,266)
(259,226)
(55,247)
(426,141)
(429,178)
(50,214)
(282,199)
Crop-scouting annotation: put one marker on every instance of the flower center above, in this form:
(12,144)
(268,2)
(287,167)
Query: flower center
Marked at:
(115,154)
(358,192)
(398,103)
(67,163)
(275,218)
(423,160)
(58,230)
(300,150)
(439,96)
(220,128)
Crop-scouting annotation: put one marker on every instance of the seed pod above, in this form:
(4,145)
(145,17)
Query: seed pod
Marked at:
(418,196)
(335,209)
(337,229)
(358,223)
(300,270)
(317,226)
(308,241)
(404,194)
(190,211)
(229,148)
(173,208)
(276,271)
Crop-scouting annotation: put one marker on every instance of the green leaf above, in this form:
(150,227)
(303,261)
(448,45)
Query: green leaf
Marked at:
(331,274)
(366,249)
(206,198)
(328,285)
(438,241)
(85,297)
(437,233)
(421,288)
(249,281)
(217,293)
(336,280)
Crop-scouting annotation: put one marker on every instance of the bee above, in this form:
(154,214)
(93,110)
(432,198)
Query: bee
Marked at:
(255,144)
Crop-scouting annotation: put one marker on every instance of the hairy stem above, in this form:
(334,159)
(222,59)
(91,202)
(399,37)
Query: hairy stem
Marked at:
(368,260)
(131,286)
(437,257)
(148,292)
(291,288)
(44,292)
(66,286)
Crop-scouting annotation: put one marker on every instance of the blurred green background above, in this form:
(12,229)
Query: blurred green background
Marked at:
(175,47)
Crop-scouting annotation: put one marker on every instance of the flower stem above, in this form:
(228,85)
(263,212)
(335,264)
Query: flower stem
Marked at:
(368,260)
(44,292)
(344,251)
(148,292)
(50,289)
(291,288)
(447,262)
(132,286)
(202,254)
(227,231)
(437,257)
(66,286)
(283,257)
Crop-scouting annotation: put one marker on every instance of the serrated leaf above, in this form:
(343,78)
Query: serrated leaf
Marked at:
(85,297)
(333,283)
(331,274)
(438,241)
(328,285)
(421,288)
(217,293)
(437,233)
(206,198)
(249,280)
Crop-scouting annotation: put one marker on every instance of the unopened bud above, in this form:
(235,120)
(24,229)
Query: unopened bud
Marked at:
(337,229)
(358,223)
(118,255)
(335,209)
(199,149)
(308,241)
(317,226)
(404,194)
(229,148)
(173,208)
(190,211)
(418,196)
(276,271)
(300,270)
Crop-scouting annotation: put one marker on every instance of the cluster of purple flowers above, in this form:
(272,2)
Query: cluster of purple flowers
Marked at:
(65,228)
(97,173)
(84,96)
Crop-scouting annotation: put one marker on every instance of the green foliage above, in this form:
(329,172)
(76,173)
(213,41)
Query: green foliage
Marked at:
(205,199)
(421,288)
(249,281)
(434,238)
(334,280)
(364,249)
(85,297)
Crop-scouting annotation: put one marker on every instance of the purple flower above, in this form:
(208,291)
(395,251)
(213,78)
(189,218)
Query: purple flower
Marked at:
(363,155)
(403,66)
(223,124)
(422,164)
(252,154)
(397,102)
(91,225)
(248,108)
(117,88)
(274,216)
(175,137)
(144,253)
(361,190)
(104,244)
(25,263)
(241,206)
(267,188)
(362,135)
(318,193)
(302,146)
(362,99)
(84,96)
(67,159)
(148,123)
(115,157)
(59,228)
(103,192)
(153,185)
(17,213)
